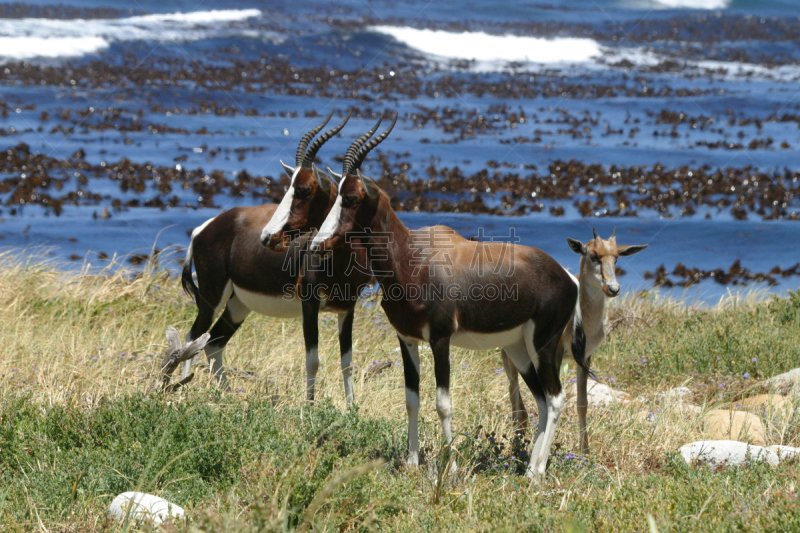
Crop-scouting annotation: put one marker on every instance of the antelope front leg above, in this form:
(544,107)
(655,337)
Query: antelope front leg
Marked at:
(550,380)
(346,347)
(409,350)
(228,323)
(583,404)
(523,358)
(311,338)
(441,362)
(518,411)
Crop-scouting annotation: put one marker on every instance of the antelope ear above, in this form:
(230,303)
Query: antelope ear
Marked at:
(335,178)
(624,251)
(289,170)
(322,178)
(369,185)
(576,246)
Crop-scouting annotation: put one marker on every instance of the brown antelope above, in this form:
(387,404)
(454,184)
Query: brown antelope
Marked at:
(237,275)
(443,289)
(597,281)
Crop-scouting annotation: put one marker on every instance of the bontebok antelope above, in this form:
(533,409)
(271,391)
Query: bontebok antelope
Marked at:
(443,289)
(237,275)
(597,281)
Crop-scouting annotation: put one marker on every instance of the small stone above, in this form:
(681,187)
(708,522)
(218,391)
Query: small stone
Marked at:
(145,507)
(785,452)
(723,453)
(600,394)
(677,395)
(723,424)
(784,382)
(768,403)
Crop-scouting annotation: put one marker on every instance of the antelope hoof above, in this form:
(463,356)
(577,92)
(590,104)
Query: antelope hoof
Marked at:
(533,473)
(413,460)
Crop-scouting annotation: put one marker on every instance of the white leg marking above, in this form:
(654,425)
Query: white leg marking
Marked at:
(412,407)
(347,365)
(443,408)
(522,355)
(541,406)
(555,404)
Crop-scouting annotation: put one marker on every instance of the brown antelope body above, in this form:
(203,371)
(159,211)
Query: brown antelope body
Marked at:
(443,289)
(237,275)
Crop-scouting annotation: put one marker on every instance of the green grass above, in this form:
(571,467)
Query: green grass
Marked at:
(78,425)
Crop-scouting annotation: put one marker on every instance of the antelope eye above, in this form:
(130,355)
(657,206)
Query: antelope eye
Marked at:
(594,258)
(302,192)
(349,200)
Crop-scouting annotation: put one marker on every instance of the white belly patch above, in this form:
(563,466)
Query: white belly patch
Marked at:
(262,304)
(486,341)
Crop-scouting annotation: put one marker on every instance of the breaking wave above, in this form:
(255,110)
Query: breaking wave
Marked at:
(693,4)
(496,50)
(51,38)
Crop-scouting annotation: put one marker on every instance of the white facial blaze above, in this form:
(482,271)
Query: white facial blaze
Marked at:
(330,225)
(281,214)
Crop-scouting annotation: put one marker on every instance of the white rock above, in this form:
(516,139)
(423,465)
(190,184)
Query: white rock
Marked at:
(688,408)
(144,506)
(784,382)
(785,452)
(676,395)
(600,394)
(726,453)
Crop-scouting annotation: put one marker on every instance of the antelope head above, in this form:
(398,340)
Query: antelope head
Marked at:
(358,195)
(599,261)
(311,192)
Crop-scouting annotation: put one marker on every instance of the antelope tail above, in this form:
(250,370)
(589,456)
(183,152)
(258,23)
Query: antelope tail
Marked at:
(186,275)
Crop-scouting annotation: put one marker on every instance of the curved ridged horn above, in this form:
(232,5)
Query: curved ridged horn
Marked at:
(301,148)
(351,152)
(595,233)
(308,159)
(362,153)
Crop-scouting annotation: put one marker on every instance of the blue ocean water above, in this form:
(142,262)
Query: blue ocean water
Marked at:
(730,67)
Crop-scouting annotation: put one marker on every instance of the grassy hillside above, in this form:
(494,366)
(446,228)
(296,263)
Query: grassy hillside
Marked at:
(77,425)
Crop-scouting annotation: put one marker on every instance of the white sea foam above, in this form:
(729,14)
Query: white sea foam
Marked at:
(30,47)
(197,17)
(693,4)
(491,51)
(39,37)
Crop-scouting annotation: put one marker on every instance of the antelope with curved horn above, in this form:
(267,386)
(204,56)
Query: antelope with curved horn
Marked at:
(237,275)
(597,281)
(443,289)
